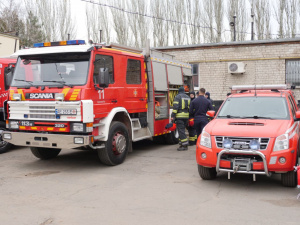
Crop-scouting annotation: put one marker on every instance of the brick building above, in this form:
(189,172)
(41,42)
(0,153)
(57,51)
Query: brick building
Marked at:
(257,62)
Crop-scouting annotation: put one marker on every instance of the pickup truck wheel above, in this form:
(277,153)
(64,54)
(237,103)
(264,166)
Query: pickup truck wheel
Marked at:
(289,179)
(207,173)
(4,146)
(45,153)
(116,146)
(171,139)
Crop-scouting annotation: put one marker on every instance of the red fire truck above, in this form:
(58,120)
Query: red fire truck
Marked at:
(6,67)
(72,95)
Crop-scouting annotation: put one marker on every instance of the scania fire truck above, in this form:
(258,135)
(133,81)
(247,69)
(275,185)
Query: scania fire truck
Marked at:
(70,94)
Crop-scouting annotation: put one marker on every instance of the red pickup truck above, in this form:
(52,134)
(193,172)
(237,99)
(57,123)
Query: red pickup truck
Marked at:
(256,131)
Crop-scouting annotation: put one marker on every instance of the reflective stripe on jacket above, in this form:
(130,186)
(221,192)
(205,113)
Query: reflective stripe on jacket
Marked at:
(181,105)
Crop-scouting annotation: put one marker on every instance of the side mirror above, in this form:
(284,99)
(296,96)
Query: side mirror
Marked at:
(8,75)
(298,115)
(103,77)
(211,113)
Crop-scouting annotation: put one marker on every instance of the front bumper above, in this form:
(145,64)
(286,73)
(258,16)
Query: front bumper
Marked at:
(245,164)
(46,140)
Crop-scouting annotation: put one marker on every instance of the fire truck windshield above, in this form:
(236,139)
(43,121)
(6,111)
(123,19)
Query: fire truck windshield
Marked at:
(255,108)
(51,70)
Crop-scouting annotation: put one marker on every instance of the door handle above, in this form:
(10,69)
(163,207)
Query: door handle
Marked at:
(114,101)
(141,99)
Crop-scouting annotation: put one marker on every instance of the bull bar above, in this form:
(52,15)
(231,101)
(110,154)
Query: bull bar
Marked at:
(248,152)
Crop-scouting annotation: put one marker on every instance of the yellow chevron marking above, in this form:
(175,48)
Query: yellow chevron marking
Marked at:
(62,129)
(50,128)
(21,127)
(33,128)
(65,91)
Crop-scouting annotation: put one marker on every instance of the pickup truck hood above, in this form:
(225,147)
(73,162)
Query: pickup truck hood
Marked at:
(248,127)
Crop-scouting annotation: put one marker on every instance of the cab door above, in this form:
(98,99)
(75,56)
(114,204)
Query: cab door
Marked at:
(135,86)
(105,99)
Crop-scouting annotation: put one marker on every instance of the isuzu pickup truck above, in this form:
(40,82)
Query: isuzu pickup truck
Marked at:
(256,131)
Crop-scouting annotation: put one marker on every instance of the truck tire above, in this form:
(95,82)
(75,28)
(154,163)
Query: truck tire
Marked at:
(171,139)
(289,179)
(207,173)
(116,146)
(4,146)
(45,153)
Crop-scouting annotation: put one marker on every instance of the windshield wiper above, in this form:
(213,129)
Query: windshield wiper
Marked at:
(58,81)
(229,116)
(257,117)
(27,81)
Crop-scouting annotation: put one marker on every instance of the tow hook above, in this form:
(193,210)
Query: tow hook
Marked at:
(297,170)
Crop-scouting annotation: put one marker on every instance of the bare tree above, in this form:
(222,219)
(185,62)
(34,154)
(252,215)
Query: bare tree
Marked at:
(212,20)
(238,9)
(120,21)
(262,18)
(193,16)
(65,24)
(291,9)
(280,15)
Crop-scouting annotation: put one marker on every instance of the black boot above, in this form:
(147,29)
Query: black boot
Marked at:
(182,148)
(191,143)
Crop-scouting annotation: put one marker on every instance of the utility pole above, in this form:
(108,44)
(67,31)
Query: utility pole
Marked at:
(252,24)
(100,35)
(234,31)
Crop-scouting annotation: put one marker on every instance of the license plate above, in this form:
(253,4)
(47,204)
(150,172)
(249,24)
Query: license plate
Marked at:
(26,123)
(66,111)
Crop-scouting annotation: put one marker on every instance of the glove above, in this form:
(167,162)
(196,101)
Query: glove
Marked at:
(191,122)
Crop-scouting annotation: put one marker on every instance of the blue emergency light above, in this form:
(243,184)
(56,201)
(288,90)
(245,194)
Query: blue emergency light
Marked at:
(59,43)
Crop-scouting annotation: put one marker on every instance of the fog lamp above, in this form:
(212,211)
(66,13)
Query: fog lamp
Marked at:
(7,136)
(282,160)
(78,140)
(254,144)
(203,155)
(227,143)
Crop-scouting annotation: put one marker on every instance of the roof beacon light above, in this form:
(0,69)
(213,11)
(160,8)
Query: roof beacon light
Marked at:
(259,87)
(59,43)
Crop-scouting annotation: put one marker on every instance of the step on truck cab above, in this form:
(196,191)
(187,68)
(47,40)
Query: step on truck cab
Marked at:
(6,68)
(72,95)
(256,131)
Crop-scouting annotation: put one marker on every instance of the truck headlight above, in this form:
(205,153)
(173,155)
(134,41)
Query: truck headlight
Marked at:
(281,143)
(77,127)
(14,124)
(205,139)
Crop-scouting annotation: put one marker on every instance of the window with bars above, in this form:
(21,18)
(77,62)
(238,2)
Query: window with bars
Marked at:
(195,74)
(292,72)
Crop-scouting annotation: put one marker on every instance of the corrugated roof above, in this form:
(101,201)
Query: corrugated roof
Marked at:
(222,44)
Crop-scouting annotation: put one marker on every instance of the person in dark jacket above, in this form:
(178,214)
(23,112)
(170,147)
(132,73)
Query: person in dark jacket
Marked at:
(191,129)
(180,115)
(207,96)
(198,110)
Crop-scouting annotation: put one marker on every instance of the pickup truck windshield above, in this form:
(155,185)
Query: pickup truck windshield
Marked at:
(255,107)
(51,70)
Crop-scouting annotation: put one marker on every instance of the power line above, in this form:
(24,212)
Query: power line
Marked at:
(169,20)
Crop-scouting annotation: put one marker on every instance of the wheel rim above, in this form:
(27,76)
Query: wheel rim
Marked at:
(119,143)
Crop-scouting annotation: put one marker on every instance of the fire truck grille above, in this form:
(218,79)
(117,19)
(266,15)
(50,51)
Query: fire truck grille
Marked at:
(42,116)
(241,143)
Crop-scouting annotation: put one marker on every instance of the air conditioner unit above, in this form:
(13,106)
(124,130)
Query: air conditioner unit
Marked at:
(236,67)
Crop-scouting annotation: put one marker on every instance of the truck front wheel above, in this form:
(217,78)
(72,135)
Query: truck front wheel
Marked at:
(207,173)
(45,153)
(116,146)
(171,139)
(289,179)
(4,146)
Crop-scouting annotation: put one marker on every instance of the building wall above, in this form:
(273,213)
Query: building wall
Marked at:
(265,64)
(7,45)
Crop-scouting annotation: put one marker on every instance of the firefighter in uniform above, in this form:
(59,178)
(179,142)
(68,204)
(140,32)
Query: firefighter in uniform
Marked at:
(191,129)
(198,110)
(180,115)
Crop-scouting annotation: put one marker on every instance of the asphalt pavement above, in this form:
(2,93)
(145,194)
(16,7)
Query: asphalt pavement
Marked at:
(155,185)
